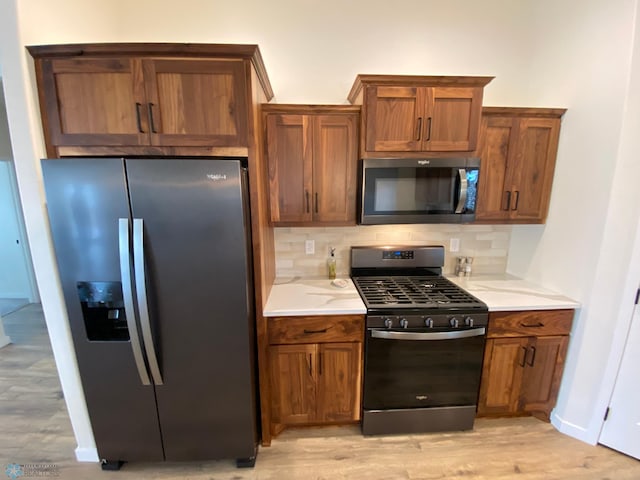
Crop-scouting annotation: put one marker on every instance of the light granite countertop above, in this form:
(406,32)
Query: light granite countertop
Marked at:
(299,296)
(507,292)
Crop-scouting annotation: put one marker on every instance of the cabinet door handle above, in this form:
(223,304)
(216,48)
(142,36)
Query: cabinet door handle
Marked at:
(507,204)
(419,129)
(151,123)
(532,325)
(309,332)
(533,357)
(428,129)
(306,195)
(319,363)
(524,356)
(515,207)
(310,366)
(316,202)
(138,120)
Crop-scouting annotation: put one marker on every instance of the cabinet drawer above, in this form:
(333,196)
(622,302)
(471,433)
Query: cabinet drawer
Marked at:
(316,329)
(530,323)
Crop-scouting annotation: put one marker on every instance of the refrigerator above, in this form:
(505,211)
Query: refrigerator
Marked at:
(154,258)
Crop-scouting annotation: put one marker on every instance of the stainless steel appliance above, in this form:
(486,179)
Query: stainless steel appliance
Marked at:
(424,342)
(430,190)
(154,261)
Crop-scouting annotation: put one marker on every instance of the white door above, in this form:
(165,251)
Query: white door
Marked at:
(14,269)
(621,430)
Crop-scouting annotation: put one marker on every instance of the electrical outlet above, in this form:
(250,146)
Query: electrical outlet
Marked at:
(309,247)
(454,245)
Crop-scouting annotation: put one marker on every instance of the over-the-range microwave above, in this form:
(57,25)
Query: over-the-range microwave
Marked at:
(425,190)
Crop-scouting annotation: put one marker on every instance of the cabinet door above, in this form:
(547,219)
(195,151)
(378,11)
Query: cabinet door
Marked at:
(542,373)
(339,380)
(453,119)
(293,383)
(502,372)
(290,167)
(395,118)
(194,102)
(89,101)
(494,186)
(335,160)
(533,165)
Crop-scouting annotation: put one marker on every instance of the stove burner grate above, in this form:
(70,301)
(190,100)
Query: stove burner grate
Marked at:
(412,291)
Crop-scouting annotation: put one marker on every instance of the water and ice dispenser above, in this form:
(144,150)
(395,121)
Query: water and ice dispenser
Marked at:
(103,311)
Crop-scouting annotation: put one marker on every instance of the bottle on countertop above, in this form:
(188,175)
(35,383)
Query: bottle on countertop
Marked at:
(467,267)
(331,263)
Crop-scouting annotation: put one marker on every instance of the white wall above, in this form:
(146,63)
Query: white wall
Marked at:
(584,55)
(5,140)
(313,50)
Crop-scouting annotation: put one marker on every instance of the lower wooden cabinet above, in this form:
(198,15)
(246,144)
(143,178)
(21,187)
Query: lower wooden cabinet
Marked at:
(523,362)
(315,383)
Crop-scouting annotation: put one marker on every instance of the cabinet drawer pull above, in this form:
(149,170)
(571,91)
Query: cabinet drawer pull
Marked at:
(533,357)
(507,204)
(532,325)
(419,129)
(151,123)
(308,332)
(524,356)
(138,120)
(428,129)
(517,193)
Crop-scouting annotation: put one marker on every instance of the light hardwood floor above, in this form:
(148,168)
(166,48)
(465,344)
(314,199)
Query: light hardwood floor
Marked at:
(35,429)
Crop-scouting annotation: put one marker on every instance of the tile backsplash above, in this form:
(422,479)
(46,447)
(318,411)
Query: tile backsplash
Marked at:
(488,244)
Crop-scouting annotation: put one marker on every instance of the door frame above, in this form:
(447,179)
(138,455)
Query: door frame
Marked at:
(34,296)
(621,333)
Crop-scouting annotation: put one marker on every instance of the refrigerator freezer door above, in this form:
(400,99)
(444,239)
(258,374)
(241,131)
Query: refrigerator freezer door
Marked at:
(85,199)
(200,303)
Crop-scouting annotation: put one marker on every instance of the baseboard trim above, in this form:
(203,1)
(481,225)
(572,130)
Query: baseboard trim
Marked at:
(87,454)
(571,429)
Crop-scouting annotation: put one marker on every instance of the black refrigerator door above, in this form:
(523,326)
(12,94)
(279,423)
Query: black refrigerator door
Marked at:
(85,200)
(199,293)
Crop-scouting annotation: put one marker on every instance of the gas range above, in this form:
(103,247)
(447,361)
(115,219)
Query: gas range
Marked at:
(424,342)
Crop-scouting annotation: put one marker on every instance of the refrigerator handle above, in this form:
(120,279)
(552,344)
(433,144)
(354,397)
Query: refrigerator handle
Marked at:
(143,306)
(125,276)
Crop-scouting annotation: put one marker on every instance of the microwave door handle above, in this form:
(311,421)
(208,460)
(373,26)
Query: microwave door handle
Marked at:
(462,197)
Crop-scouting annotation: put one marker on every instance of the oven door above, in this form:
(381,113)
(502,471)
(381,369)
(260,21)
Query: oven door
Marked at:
(419,191)
(420,368)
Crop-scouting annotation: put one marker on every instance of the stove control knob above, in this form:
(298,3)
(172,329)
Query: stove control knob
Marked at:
(404,323)
(454,322)
(388,322)
(468,322)
(428,322)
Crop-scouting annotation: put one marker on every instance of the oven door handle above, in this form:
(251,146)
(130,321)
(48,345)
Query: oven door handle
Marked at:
(453,335)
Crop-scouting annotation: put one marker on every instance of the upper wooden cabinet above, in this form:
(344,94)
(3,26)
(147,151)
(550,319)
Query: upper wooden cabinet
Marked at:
(418,115)
(518,149)
(312,159)
(145,97)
